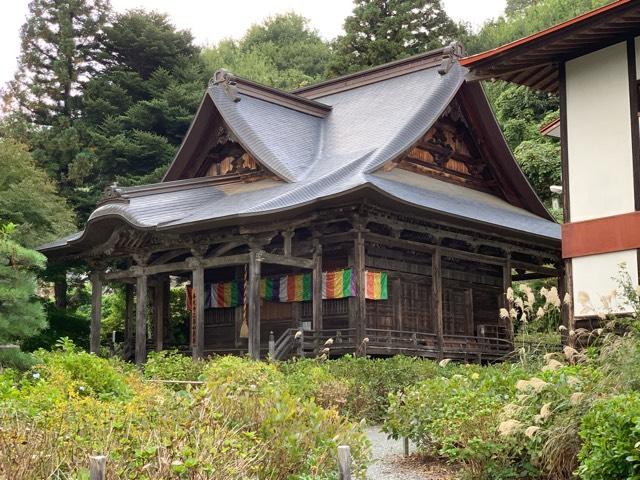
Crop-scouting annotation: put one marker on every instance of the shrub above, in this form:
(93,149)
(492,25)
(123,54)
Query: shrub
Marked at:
(611,435)
(172,365)
(244,423)
(301,436)
(360,387)
(456,415)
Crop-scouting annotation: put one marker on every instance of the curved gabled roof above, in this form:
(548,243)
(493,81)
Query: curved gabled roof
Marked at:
(331,146)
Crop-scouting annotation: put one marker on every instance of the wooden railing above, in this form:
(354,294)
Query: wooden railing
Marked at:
(295,342)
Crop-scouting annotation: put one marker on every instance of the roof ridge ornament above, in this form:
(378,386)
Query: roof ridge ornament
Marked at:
(450,55)
(228,82)
(112,194)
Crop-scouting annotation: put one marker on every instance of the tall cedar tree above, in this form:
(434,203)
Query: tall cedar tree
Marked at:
(60,50)
(379,31)
(137,110)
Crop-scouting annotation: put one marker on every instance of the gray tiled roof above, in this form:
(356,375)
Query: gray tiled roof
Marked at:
(317,158)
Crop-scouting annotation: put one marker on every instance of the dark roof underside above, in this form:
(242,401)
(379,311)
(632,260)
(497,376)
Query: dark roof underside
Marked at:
(534,60)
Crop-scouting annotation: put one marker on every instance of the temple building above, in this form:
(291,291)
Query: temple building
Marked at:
(380,212)
(592,63)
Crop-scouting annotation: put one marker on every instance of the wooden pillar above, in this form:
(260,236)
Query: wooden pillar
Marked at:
(254,306)
(141,318)
(396,299)
(567,312)
(317,287)
(506,285)
(129,322)
(197,351)
(96,311)
(359,271)
(60,291)
(436,282)
(159,313)
(287,236)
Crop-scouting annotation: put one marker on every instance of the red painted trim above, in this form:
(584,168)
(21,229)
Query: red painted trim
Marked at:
(601,235)
(471,60)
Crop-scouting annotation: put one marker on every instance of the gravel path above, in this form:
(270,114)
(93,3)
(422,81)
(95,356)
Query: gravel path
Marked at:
(389,463)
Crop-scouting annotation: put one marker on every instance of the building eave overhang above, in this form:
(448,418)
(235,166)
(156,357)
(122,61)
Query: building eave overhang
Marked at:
(533,60)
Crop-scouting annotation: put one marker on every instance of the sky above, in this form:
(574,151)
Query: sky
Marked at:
(212,20)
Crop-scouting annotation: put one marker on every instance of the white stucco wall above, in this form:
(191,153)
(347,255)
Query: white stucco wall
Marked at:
(594,277)
(599,136)
(600,166)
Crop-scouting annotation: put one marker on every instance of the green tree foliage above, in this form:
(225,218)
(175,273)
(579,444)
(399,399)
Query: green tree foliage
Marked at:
(283,51)
(519,110)
(60,50)
(21,313)
(137,110)
(525,17)
(379,31)
(28,198)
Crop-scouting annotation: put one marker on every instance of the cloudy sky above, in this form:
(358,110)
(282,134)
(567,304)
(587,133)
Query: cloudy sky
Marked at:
(212,20)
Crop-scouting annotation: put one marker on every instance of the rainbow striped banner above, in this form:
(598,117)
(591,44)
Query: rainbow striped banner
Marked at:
(286,288)
(338,284)
(224,294)
(376,286)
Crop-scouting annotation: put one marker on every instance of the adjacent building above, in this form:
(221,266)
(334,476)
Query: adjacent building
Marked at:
(592,63)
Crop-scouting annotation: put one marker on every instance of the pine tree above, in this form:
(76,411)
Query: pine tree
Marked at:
(60,50)
(379,31)
(21,313)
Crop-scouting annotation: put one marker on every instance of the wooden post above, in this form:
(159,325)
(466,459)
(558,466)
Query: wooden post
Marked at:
(254,306)
(344,462)
(141,319)
(96,311)
(360,281)
(197,351)
(436,282)
(159,314)
(506,285)
(316,297)
(97,467)
(129,322)
(396,298)
(406,446)
(287,236)
(272,346)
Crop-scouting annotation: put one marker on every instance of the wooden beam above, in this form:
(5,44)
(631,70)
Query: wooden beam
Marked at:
(254,306)
(141,319)
(96,311)
(297,262)
(198,289)
(184,266)
(541,269)
(317,288)
(436,283)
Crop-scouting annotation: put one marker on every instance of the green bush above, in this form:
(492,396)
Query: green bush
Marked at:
(61,323)
(302,437)
(245,422)
(172,365)
(456,415)
(611,439)
(359,387)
